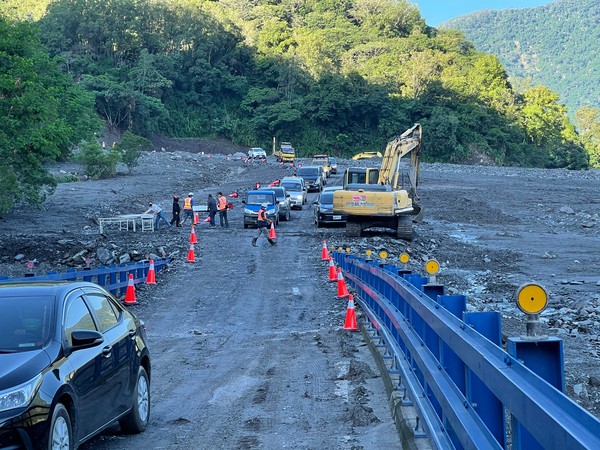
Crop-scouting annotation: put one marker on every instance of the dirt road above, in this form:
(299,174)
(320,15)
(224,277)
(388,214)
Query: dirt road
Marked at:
(246,344)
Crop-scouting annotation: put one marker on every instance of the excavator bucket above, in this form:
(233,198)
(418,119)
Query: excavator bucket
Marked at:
(418,218)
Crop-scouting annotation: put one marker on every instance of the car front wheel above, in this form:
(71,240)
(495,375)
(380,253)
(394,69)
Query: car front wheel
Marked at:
(60,435)
(137,419)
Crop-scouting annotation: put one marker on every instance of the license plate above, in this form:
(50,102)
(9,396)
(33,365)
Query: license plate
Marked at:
(337,217)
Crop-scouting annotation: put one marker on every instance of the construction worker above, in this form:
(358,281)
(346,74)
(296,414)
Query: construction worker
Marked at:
(222,207)
(188,208)
(262,224)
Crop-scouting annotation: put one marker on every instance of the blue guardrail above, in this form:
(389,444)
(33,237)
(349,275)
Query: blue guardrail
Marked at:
(469,393)
(113,278)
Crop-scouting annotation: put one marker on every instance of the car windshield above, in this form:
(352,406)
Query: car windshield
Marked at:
(25,323)
(288,150)
(279,194)
(259,199)
(332,160)
(294,187)
(326,198)
(308,171)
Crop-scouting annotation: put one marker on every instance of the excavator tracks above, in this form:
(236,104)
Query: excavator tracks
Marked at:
(353,229)
(405,228)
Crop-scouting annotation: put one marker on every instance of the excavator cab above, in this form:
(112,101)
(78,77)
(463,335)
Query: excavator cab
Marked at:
(360,175)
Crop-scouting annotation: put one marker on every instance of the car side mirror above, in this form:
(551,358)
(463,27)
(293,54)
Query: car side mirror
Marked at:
(85,339)
(315,202)
(244,202)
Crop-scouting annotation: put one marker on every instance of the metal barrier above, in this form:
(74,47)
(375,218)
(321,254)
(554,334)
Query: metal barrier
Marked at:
(453,370)
(113,278)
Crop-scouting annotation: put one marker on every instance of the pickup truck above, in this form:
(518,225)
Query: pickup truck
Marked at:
(252,203)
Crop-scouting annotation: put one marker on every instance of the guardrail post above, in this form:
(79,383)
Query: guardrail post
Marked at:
(123,276)
(403,272)
(112,277)
(72,272)
(141,269)
(87,277)
(483,401)
(433,290)
(545,358)
(102,277)
(416,280)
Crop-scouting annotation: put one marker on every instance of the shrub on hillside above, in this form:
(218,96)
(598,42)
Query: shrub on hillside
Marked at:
(98,163)
(131,147)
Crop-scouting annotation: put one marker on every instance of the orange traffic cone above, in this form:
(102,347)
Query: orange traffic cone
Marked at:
(130,292)
(332,275)
(341,285)
(196,219)
(350,322)
(207,219)
(272,234)
(151,277)
(193,236)
(191,257)
(324,252)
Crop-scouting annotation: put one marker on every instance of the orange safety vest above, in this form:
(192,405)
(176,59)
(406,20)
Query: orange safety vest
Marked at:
(187,203)
(262,215)
(222,202)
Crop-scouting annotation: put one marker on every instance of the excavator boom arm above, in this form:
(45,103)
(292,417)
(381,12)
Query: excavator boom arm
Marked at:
(409,141)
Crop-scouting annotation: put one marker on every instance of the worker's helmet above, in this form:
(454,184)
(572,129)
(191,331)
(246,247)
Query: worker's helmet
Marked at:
(191,194)
(264,205)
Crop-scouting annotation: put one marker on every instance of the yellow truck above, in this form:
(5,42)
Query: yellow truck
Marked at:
(285,152)
(384,197)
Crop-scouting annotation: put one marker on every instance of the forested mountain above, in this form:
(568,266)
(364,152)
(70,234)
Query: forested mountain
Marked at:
(334,76)
(555,45)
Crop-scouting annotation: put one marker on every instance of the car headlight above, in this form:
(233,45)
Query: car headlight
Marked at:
(326,210)
(249,212)
(19,396)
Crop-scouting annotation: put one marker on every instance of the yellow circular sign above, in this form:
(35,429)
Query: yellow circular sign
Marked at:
(339,249)
(532,298)
(404,258)
(383,254)
(347,249)
(432,267)
(368,252)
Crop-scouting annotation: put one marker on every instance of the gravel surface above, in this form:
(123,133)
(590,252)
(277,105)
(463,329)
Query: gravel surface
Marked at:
(230,334)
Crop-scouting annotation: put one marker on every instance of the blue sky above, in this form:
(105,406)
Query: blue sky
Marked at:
(437,11)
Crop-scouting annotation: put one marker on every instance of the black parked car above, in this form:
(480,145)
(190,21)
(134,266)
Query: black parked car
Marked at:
(73,361)
(323,209)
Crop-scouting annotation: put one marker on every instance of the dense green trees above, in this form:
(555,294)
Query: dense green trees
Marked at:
(335,76)
(43,113)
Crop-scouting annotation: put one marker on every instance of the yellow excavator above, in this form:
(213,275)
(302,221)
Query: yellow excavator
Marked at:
(384,197)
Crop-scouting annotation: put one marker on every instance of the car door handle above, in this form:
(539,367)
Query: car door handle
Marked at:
(132,334)
(107,351)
